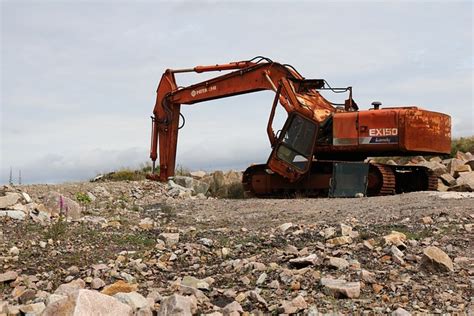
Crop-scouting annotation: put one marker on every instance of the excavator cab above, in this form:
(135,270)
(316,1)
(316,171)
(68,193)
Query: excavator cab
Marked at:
(293,152)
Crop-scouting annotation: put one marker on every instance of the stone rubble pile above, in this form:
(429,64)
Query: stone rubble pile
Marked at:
(454,174)
(19,205)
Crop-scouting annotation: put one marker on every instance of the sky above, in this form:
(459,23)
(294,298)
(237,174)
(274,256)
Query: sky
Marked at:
(78,78)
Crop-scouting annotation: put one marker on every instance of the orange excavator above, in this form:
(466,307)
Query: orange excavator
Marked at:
(322,145)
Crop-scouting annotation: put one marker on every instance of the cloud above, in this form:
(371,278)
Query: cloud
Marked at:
(79,78)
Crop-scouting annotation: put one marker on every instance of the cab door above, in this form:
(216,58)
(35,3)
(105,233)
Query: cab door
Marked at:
(293,153)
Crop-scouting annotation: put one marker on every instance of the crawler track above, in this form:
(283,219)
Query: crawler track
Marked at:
(382,180)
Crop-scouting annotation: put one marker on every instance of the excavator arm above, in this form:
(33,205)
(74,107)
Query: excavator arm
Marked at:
(293,92)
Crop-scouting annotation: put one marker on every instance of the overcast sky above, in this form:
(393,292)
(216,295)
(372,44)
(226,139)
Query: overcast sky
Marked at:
(78,78)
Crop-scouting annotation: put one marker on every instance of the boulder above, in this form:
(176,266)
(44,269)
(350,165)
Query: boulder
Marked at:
(87,302)
(448,179)
(57,204)
(195,185)
(460,170)
(177,305)
(453,163)
(435,259)
(9,200)
(466,179)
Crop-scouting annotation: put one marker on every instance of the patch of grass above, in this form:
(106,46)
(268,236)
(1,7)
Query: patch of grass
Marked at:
(139,240)
(124,175)
(56,230)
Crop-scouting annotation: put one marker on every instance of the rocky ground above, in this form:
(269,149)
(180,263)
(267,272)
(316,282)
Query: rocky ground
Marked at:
(141,248)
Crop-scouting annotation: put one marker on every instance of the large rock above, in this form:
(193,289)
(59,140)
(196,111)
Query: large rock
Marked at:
(9,200)
(87,302)
(133,299)
(57,204)
(341,288)
(460,170)
(71,287)
(448,179)
(8,276)
(177,305)
(19,215)
(453,163)
(466,179)
(190,183)
(435,259)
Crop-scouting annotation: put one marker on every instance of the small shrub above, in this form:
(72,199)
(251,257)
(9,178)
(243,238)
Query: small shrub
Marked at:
(182,171)
(464,144)
(83,198)
(125,174)
(57,229)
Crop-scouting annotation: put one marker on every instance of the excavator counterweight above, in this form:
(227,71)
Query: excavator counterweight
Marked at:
(320,142)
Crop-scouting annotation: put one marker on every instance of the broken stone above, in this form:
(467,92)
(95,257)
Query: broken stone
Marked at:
(304,261)
(119,287)
(133,299)
(32,309)
(8,276)
(146,223)
(177,305)
(427,220)
(9,200)
(435,259)
(448,179)
(170,238)
(254,296)
(97,283)
(58,204)
(68,288)
(284,227)
(338,263)
(397,239)
(367,276)
(261,278)
(400,312)
(232,308)
(87,302)
(195,283)
(338,241)
(18,215)
(345,230)
(341,288)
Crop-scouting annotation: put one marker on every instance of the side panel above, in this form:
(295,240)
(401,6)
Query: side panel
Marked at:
(379,130)
(345,129)
(426,131)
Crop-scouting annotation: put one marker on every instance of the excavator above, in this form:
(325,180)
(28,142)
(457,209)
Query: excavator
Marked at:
(323,147)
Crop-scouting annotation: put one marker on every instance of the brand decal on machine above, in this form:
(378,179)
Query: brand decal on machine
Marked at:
(383,132)
(203,90)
